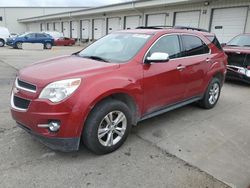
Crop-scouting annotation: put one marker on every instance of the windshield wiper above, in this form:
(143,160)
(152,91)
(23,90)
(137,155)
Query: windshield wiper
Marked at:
(246,45)
(96,58)
(232,45)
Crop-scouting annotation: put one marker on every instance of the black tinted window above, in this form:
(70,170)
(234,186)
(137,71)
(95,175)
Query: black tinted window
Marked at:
(193,46)
(40,35)
(31,35)
(215,41)
(167,44)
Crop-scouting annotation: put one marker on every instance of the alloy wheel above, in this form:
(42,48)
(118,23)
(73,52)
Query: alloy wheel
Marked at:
(214,93)
(112,128)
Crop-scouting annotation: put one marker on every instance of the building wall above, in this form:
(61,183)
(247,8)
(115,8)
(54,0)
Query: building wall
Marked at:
(11,14)
(204,20)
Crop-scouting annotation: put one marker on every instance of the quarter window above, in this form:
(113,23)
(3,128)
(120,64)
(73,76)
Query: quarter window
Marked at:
(193,45)
(167,44)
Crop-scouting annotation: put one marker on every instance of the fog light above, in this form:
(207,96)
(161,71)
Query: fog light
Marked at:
(54,126)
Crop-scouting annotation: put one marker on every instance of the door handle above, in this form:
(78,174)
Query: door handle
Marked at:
(180,67)
(208,60)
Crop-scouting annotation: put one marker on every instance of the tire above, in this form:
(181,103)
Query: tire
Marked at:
(212,94)
(2,43)
(97,132)
(47,45)
(19,45)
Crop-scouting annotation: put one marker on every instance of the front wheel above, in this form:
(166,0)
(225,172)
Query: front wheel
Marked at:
(107,127)
(19,45)
(2,43)
(212,94)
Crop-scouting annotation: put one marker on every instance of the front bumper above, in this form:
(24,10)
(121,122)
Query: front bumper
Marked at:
(59,144)
(235,74)
(10,43)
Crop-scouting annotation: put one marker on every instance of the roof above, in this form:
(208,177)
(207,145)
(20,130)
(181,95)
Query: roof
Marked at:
(132,5)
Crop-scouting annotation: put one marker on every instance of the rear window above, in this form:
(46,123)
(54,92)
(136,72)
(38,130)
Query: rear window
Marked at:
(215,41)
(193,46)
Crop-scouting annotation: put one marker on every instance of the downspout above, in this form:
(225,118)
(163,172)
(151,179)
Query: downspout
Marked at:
(140,12)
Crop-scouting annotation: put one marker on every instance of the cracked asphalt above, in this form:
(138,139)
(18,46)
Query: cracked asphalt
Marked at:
(160,152)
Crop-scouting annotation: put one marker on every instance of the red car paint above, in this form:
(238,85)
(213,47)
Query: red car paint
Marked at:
(151,86)
(64,41)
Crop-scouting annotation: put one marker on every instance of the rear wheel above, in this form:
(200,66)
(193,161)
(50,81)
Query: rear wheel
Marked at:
(2,42)
(212,94)
(47,45)
(107,127)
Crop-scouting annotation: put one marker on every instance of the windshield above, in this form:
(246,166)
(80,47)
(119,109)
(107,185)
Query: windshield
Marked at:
(241,40)
(118,47)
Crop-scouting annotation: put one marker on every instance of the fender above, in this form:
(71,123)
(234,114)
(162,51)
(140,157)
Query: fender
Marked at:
(100,89)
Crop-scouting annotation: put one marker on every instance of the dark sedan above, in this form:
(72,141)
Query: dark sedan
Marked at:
(43,38)
(238,51)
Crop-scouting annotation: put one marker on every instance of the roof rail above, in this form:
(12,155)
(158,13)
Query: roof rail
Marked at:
(190,28)
(155,27)
(174,27)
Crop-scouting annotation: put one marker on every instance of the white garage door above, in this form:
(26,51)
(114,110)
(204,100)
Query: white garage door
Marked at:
(42,26)
(114,24)
(190,19)
(65,29)
(99,28)
(85,27)
(50,27)
(74,27)
(132,22)
(58,26)
(228,22)
(156,20)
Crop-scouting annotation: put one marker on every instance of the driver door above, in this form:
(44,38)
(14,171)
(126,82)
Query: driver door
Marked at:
(163,81)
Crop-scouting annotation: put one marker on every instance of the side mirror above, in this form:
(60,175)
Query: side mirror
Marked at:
(157,57)
(25,37)
(223,44)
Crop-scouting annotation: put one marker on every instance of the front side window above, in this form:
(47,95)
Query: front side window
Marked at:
(117,47)
(193,45)
(31,35)
(168,44)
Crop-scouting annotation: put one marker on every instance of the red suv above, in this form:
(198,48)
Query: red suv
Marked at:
(97,94)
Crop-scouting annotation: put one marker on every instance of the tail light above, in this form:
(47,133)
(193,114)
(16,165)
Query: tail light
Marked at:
(248,67)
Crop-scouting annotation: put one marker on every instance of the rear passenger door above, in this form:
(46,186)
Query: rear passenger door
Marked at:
(195,54)
(40,38)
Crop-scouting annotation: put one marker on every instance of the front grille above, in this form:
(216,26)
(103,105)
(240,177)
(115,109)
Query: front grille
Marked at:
(26,86)
(21,103)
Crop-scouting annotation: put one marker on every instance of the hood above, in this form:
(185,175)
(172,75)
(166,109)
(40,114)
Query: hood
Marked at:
(238,50)
(61,68)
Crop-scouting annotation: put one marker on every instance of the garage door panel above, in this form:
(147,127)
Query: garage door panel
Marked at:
(228,22)
(58,26)
(85,27)
(66,29)
(156,20)
(74,28)
(132,22)
(98,28)
(190,19)
(114,24)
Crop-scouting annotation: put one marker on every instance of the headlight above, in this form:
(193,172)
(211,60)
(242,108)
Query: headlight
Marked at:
(57,91)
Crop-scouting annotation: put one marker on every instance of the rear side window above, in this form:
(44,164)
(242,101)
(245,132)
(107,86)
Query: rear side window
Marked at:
(215,41)
(167,44)
(193,45)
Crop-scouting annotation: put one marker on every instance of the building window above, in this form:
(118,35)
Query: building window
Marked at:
(1,18)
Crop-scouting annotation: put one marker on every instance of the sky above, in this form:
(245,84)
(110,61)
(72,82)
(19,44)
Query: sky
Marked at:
(4,3)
